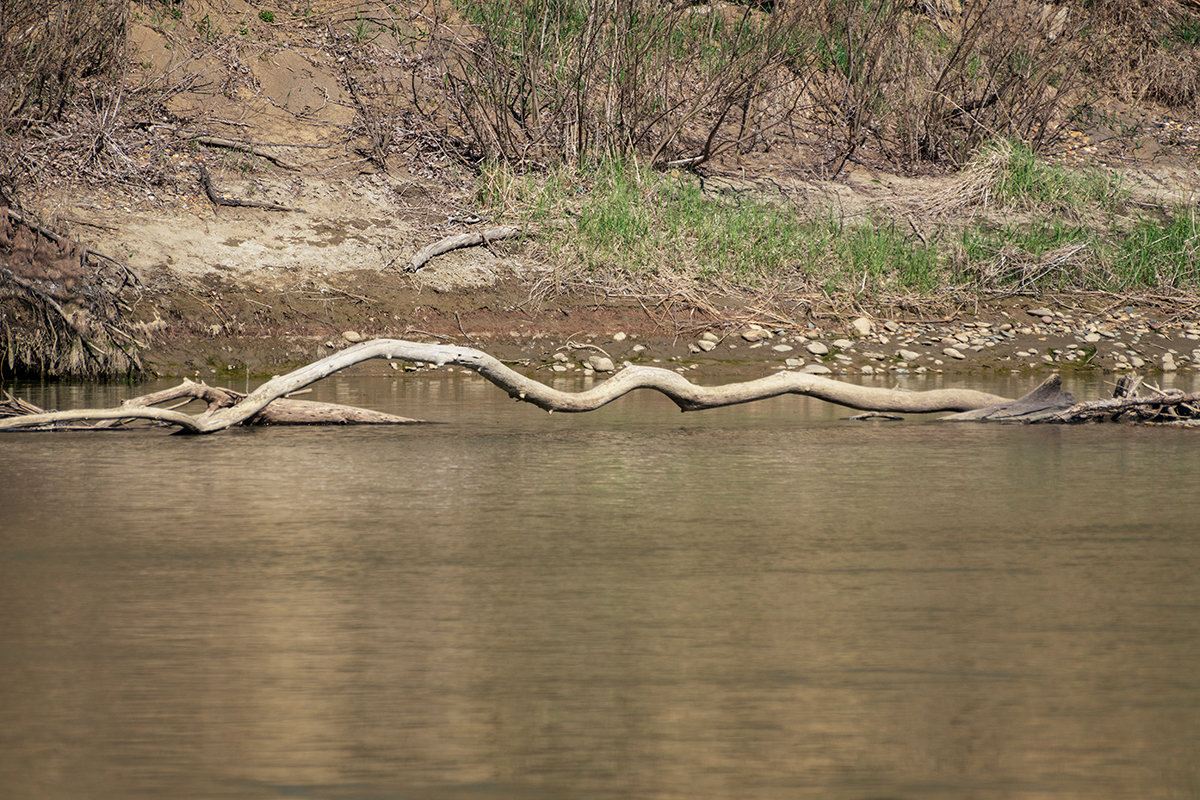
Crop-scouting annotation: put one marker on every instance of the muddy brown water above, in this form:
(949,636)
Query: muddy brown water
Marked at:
(764,601)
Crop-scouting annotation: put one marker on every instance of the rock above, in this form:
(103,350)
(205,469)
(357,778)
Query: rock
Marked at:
(619,336)
(561,357)
(639,348)
(794,362)
(843,344)
(1040,312)
(952,353)
(353,336)
(1092,338)
(892,326)
(782,348)
(817,369)
(706,345)
(694,348)
(753,335)
(862,326)
(559,368)
(600,363)
(1168,363)
(867,370)
(709,336)
(816,348)
(1137,362)
(908,355)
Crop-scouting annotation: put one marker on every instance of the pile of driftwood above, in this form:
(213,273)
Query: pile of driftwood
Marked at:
(272,404)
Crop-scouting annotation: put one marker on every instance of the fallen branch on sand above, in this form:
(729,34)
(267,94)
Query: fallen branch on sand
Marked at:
(458,241)
(1047,403)
(220,200)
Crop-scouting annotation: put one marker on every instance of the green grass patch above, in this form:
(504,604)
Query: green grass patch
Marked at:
(1023,180)
(1156,254)
(611,216)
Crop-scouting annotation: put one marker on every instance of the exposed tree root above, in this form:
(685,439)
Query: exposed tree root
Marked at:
(221,200)
(60,304)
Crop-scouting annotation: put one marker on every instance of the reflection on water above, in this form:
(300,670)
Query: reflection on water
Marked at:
(756,602)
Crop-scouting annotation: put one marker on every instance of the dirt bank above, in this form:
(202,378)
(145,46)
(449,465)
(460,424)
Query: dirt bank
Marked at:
(313,254)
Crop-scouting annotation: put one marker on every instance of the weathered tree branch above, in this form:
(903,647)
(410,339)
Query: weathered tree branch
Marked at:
(458,241)
(281,411)
(686,395)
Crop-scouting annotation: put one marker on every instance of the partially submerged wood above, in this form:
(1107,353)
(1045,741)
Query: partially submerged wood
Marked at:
(1047,399)
(1047,403)
(281,411)
(688,396)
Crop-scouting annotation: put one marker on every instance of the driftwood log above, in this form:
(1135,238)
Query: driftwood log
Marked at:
(282,411)
(1047,403)
(688,396)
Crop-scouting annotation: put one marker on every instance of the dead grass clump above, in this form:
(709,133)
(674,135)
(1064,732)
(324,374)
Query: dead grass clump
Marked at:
(1144,50)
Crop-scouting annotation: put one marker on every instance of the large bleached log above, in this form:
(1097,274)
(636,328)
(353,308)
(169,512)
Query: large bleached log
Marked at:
(685,394)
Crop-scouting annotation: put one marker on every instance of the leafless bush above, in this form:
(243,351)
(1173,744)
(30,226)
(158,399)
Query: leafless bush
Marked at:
(542,82)
(930,85)
(48,47)
(1145,50)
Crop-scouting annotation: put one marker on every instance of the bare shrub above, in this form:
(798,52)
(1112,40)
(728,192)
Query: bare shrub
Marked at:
(932,84)
(48,47)
(534,81)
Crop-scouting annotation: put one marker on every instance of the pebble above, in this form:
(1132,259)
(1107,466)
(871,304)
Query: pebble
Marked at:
(862,326)
(817,369)
(353,336)
(817,348)
(706,345)
(754,335)
(843,344)
(908,355)
(1168,363)
(709,336)
(619,336)
(952,353)
(783,348)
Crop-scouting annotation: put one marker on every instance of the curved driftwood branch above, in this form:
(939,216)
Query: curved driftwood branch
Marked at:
(685,394)
(458,241)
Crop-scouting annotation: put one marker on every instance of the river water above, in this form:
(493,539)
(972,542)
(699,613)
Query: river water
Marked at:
(764,601)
